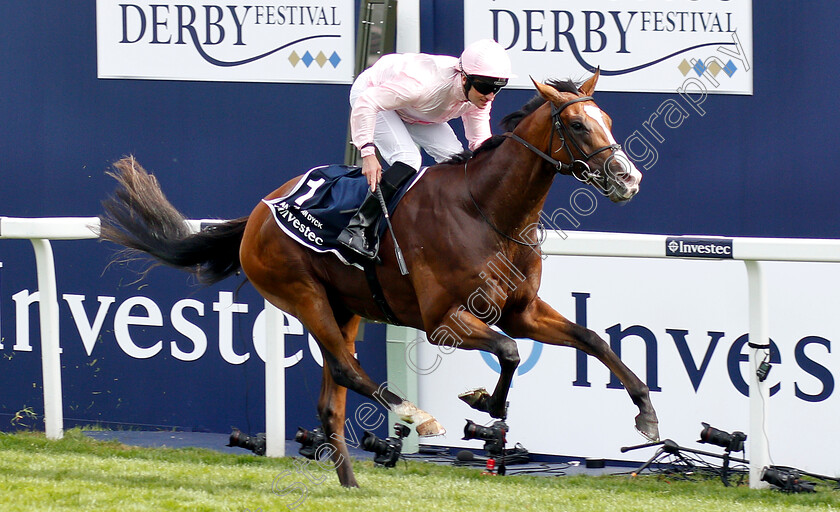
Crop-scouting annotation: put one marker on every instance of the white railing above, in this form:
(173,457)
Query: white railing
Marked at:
(751,251)
(40,231)
(576,243)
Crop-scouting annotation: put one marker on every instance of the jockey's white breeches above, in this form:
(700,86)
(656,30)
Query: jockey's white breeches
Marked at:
(397,140)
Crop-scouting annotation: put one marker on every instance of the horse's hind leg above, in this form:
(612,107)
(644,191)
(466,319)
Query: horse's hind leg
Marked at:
(315,312)
(332,411)
(541,322)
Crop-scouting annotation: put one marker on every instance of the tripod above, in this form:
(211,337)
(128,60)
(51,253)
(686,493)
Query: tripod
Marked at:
(671,448)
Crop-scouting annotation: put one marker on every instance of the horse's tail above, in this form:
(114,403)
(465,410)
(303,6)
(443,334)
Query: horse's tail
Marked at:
(139,217)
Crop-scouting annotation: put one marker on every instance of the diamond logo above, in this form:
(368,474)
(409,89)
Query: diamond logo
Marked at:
(294,58)
(730,68)
(307,58)
(334,59)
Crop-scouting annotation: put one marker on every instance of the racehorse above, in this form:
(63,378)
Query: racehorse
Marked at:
(466,230)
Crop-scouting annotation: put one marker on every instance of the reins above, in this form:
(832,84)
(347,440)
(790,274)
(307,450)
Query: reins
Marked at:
(579,169)
(487,220)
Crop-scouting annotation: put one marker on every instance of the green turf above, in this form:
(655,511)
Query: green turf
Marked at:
(79,474)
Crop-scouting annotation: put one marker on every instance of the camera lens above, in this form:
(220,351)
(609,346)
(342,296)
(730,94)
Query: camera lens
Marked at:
(714,436)
(473,431)
(254,443)
(732,442)
(371,443)
(304,436)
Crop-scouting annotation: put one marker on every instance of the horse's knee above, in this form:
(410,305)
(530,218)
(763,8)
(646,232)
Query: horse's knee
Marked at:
(589,341)
(508,354)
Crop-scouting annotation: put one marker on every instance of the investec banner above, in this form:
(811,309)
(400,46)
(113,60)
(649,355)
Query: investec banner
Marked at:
(226,40)
(682,327)
(640,45)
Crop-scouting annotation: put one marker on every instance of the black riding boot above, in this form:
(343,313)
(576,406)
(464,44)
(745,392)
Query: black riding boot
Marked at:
(359,234)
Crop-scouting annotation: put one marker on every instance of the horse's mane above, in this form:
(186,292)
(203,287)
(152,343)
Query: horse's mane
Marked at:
(512,120)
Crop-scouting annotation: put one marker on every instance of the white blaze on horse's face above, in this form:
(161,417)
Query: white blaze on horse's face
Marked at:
(625,176)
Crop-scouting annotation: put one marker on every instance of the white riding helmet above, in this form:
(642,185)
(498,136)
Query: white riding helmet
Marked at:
(486,58)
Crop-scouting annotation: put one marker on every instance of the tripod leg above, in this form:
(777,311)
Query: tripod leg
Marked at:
(648,463)
(724,471)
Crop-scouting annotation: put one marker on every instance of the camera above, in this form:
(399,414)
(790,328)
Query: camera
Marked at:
(733,442)
(386,451)
(311,441)
(240,439)
(785,479)
(493,436)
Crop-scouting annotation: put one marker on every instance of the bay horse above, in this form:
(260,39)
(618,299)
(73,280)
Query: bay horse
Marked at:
(461,216)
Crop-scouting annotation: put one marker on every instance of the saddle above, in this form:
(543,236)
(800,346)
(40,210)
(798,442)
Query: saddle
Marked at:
(322,204)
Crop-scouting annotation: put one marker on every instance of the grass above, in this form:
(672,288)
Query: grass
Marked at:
(80,474)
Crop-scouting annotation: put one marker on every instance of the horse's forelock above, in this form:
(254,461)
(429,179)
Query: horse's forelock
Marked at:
(512,120)
(567,85)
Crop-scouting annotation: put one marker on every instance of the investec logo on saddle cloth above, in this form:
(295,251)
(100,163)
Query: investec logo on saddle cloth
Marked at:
(697,247)
(322,203)
(640,46)
(299,220)
(226,40)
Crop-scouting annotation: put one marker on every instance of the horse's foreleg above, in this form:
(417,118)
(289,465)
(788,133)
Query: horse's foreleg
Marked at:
(541,322)
(463,330)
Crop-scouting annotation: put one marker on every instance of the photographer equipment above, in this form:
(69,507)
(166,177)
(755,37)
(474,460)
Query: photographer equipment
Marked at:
(733,442)
(387,451)
(763,369)
(729,442)
(310,441)
(493,436)
(515,455)
(709,434)
(241,440)
(786,479)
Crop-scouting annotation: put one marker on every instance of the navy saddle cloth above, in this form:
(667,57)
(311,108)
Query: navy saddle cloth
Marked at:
(322,204)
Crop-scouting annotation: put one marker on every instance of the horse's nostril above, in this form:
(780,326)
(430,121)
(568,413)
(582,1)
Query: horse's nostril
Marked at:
(619,168)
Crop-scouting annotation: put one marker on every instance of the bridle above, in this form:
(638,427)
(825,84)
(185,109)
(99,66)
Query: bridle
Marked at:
(579,168)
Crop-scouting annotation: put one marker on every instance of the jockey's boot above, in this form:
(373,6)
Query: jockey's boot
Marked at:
(359,233)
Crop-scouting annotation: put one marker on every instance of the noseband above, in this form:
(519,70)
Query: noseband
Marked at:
(578,168)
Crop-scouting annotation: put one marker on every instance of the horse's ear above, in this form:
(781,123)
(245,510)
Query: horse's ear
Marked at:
(588,87)
(548,93)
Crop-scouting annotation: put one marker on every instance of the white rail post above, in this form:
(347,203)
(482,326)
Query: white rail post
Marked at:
(275,383)
(759,391)
(50,350)
(400,377)
(408,26)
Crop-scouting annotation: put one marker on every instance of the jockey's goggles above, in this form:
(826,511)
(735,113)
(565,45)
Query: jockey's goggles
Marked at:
(486,84)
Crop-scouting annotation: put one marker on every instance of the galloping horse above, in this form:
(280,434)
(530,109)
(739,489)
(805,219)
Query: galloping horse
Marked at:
(495,196)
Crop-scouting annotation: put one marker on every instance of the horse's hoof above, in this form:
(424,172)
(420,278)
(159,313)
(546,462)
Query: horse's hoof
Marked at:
(648,427)
(430,428)
(477,398)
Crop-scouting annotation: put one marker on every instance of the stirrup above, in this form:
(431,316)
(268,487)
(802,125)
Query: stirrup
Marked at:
(357,242)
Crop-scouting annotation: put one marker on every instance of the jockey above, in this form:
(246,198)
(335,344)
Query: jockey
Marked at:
(404,101)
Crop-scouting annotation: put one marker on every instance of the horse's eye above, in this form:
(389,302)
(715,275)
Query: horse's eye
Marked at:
(577,126)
